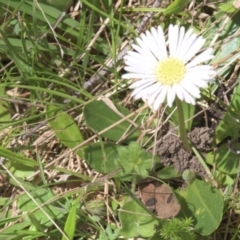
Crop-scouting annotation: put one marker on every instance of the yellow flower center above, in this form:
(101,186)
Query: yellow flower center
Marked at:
(170,71)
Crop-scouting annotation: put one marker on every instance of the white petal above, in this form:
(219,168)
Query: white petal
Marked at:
(180,40)
(171,96)
(145,48)
(141,94)
(199,75)
(194,48)
(198,81)
(152,45)
(183,94)
(161,41)
(188,98)
(188,45)
(200,68)
(161,51)
(191,88)
(179,90)
(151,91)
(142,82)
(136,59)
(184,45)
(158,89)
(138,76)
(138,49)
(173,34)
(139,69)
(200,72)
(147,55)
(160,98)
(132,57)
(144,67)
(202,57)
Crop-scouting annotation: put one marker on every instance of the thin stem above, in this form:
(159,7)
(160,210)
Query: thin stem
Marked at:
(134,182)
(183,134)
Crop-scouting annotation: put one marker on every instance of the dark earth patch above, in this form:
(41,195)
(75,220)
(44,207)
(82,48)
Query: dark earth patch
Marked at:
(172,152)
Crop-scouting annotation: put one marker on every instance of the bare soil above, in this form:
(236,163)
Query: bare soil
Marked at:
(172,152)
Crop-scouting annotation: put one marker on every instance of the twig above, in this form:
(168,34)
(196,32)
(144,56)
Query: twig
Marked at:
(32,130)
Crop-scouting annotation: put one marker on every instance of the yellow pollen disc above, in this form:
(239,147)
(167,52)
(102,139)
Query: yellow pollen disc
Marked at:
(170,71)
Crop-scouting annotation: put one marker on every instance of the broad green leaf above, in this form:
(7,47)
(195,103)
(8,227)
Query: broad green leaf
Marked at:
(107,157)
(131,155)
(41,196)
(227,7)
(19,170)
(64,128)
(168,172)
(110,233)
(133,158)
(102,157)
(204,204)
(143,168)
(176,7)
(136,221)
(224,160)
(230,125)
(99,116)
(188,175)
(22,183)
(113,232)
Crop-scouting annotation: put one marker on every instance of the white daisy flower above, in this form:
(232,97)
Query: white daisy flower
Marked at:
(166,71)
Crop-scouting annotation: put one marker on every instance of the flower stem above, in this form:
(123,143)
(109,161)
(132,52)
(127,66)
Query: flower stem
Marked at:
(182,130)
